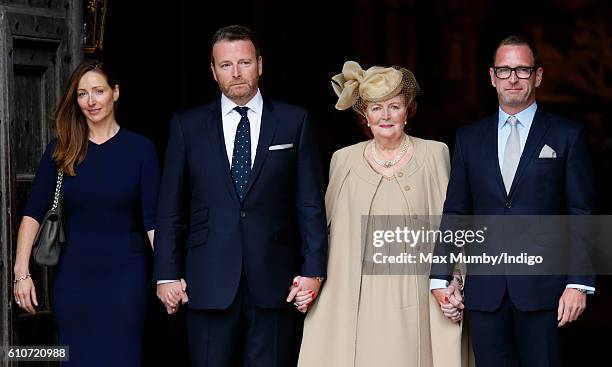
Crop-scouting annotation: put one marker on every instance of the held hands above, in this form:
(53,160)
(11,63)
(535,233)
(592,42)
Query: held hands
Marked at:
(172,295)
(303,291)
(25,294)
(451,302)
(571,305)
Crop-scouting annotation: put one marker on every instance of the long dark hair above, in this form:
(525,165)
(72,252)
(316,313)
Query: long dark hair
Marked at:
(70,123)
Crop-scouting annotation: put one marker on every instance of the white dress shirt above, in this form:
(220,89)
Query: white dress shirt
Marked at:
(231,118)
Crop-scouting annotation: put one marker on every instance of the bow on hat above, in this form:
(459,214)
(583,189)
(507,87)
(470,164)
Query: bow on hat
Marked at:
(374,85)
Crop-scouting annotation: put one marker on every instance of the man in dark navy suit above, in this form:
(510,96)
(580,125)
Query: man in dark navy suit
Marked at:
(521,160)
(243,174)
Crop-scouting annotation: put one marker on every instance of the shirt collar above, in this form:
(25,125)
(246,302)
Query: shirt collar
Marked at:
(255,104)
(525,117)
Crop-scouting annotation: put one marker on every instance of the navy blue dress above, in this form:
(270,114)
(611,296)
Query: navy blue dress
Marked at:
(100,283)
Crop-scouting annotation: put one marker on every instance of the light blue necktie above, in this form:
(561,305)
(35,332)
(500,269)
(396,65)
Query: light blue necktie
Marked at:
(512,153)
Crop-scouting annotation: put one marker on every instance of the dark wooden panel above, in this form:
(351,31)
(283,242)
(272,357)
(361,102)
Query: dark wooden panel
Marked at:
(34,52)
(40,44)
(35,91)
(43,4)
(22,193)
(28,132)
(36,26)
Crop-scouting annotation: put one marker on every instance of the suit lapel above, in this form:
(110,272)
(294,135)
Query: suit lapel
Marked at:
(538,129)
(219,150)
(269,124)
(493,157)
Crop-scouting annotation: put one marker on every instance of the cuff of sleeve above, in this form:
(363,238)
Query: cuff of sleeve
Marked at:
(167,281)
(437,284)
(590,290)
(38,218)
(312,269)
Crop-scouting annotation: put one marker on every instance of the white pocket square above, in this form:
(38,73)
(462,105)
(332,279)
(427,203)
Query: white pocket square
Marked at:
(280,146)
(547,152)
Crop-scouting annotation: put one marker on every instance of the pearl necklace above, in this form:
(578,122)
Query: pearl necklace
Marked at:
(387,164)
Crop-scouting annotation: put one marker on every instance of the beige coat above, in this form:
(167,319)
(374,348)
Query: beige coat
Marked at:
(335,320)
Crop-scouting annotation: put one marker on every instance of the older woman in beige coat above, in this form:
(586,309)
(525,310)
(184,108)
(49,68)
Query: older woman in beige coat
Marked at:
(367,314)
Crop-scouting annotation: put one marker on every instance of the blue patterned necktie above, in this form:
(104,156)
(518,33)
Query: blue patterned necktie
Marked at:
(241,158)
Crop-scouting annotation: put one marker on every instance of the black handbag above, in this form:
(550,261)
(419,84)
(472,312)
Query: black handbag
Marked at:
(50,236)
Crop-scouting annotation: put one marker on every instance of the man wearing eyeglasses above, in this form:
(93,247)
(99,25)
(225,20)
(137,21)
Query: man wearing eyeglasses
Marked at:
(521,160)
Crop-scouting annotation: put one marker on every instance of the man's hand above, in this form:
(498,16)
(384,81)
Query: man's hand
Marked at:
(450,301)
(571,305)
(303,291)
(172,295)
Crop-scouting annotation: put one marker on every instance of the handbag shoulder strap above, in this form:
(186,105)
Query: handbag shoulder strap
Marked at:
(58,189)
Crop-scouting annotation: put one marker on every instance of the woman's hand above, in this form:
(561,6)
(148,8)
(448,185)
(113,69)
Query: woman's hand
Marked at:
(25,294)
(23,289)
(303,292)
(450,301)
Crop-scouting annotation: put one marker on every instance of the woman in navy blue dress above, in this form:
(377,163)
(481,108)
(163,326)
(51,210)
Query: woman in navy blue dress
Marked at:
(110,190)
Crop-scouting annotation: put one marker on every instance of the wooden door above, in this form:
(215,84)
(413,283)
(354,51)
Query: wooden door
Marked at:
(40,44)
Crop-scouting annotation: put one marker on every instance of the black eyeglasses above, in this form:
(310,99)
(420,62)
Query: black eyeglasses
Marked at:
(522,72)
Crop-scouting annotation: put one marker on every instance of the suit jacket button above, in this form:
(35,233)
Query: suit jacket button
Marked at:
(242,214)
(407,188)
(508,205)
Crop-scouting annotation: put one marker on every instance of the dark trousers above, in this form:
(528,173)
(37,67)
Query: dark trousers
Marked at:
(511,337)
(244,334)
